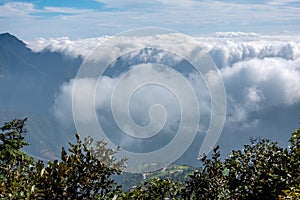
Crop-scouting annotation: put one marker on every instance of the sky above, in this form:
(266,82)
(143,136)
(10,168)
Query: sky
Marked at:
(32,19)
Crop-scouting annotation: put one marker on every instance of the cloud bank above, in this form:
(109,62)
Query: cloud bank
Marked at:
(259,71)
(261,74)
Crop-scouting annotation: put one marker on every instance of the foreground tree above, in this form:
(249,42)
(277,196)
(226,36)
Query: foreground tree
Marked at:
(15,165)
(261,170)
(294,160)
(84,173)
(155,189)
(293,164)
(210,181)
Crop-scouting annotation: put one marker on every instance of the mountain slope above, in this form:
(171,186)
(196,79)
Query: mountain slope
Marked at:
(29,82)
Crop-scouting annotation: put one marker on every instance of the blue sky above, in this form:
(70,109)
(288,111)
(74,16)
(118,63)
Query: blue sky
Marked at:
(92,18)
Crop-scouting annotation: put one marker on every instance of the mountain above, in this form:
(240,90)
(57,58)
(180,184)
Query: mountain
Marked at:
(29,82)
(27,76)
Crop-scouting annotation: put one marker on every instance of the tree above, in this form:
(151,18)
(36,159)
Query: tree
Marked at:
(208,182)
(155,189)
(15,165)
(294,159)
(261,170)
(293,165)
(84,173)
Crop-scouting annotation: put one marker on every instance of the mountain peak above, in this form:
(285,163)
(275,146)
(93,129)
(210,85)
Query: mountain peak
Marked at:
(6,35)
(11,43)
(10,37)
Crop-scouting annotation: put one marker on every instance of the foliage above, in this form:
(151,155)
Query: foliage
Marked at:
(155,189)
(293,164)
(261,170)
(129,180)
(294,160)
(292,193)
(84,173)
(178,173)
(15,165)
(174,172)
(210,182)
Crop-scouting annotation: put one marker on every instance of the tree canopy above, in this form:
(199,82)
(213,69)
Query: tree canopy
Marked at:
(261,170)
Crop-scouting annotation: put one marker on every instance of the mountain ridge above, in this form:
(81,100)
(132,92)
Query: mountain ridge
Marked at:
(29,82)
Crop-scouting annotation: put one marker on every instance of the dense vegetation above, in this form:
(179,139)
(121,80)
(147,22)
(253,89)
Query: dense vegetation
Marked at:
(261,170)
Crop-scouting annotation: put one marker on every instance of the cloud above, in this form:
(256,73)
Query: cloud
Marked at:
(111,17)
(261,75)
(65,10)
(226,48)
(283,2)
(154,4)
(231,52)
(235,34)
(261,84)
(153,109)
(13,9)
(63,101)
(143,98)
(66,46)
(260,72)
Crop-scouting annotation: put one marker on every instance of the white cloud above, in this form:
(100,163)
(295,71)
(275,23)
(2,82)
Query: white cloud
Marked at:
(89,92)
(261,74)
(13,9)
(226,48)
(66,45)
(63,100)
(259,85)
(152,4)
(165,118)
(117,16)
(24,9)
(64,10)
(277,79)
(259,71)
(235,34)
(282,2)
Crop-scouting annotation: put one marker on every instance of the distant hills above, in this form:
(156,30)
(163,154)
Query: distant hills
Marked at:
(178,173)
(28,84)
